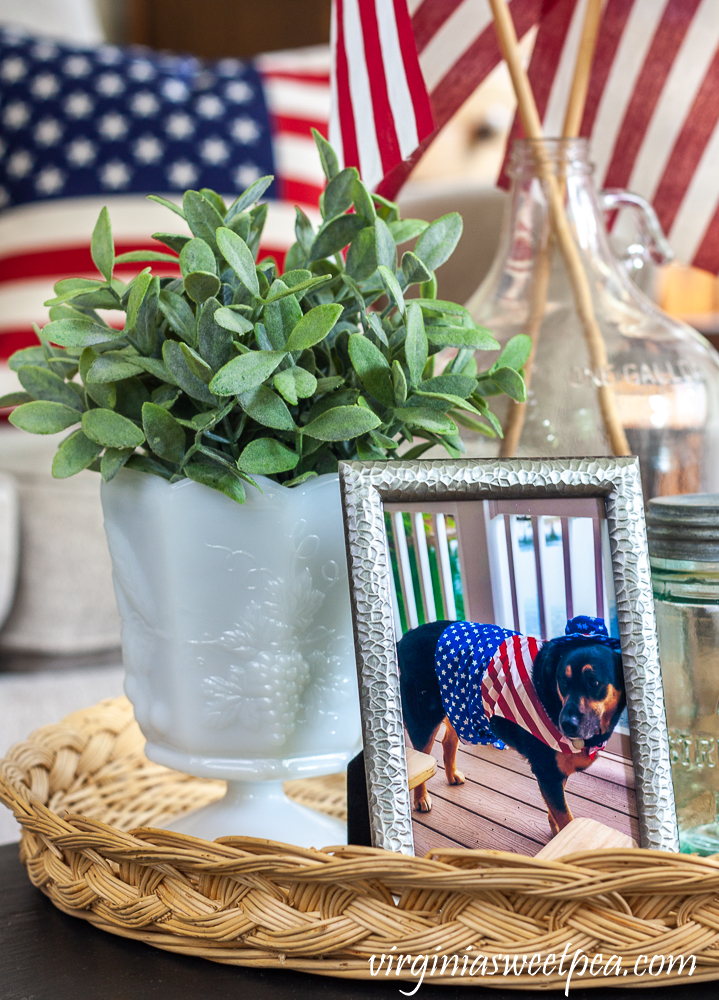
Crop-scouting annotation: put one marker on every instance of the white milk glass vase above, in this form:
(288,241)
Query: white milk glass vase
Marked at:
(237,643)
(664,376)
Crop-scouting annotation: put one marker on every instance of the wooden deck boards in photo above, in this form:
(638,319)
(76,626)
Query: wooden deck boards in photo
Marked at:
(500,805)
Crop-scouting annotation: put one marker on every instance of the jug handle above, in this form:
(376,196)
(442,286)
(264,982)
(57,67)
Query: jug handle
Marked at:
(652,236)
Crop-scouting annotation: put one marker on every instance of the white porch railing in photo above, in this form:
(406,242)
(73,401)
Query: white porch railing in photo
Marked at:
(527,565)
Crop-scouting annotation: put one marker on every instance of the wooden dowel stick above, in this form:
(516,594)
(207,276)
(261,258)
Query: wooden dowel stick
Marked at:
(580,285)
(582,70)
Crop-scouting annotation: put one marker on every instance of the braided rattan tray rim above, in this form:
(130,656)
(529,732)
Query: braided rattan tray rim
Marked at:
(87,799)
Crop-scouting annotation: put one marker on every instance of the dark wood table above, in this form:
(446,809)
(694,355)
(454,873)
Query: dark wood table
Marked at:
(46,955)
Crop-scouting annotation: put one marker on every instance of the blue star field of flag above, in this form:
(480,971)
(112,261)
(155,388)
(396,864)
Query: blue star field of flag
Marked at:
(107,120)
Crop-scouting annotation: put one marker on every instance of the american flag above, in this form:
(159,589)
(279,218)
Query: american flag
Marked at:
(84,127)
(652,111)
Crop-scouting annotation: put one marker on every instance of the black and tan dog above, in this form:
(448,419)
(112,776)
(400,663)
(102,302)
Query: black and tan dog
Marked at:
(578,680)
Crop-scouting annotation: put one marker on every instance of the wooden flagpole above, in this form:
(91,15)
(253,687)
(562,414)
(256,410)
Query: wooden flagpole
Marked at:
(560,226)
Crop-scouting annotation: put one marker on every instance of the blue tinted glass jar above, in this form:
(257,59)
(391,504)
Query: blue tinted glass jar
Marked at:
(684,552)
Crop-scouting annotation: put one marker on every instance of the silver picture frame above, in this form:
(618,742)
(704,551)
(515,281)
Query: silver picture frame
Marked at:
(367,486)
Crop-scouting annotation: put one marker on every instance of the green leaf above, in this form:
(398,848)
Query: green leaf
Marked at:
(413,268)
(515,353)
(234,321)
(328,157)
(361,259)
(112,461)
(300,286)
(335,235)
(474,424)
(27,356)
(201,285)
(295,383)
(282,316)
(111,367)
(214,340)
(179,372)
(217,478)
(298,480)
(75,453)
(386,249)
(175,241)
(427,419)
(154,366)
(214,199)
(44,417)
(362,200)
(167,204)
(179,315)
(303,230)
(164,434)
(267,457)
(138,290)
(330,383)
(266,407)
(111,430)
(440,306)
(202,217)
(455,385)
(44,384)
(166,396)
(338,193)
(103,395)
(416,348)
(399,383)
(406,229)
(196,364)
(140,256)
(245,372)
(239,256)
(511,383)
(248,197)
(342,423)
(462,336)
(372,368)
(392,286)
(196,255)
(78,333)
(14,399)
(102,247)
(438,241)
(314,326)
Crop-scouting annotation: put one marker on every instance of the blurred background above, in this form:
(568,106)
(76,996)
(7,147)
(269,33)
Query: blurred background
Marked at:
(59,640)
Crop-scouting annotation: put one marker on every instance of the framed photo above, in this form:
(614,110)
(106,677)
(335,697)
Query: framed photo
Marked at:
(507,652)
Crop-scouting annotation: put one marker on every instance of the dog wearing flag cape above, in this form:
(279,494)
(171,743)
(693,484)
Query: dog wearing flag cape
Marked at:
(556,702)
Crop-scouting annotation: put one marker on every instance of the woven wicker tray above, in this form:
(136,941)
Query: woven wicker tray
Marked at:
(87,797)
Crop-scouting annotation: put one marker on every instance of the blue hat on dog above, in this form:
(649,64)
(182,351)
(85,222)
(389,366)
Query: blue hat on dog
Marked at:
(586,629)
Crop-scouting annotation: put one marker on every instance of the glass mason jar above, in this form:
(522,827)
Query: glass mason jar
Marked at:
(683,536)
(663,375)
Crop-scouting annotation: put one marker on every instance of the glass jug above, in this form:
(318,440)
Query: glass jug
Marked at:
(663,375)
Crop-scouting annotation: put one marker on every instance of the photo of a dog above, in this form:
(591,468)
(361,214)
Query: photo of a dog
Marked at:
(574,683)
(510,672)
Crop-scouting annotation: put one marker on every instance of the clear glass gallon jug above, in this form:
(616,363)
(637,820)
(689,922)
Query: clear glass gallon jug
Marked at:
(663,375)
(684,552)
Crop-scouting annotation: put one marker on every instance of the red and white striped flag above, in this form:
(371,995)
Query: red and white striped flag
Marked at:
(652,111)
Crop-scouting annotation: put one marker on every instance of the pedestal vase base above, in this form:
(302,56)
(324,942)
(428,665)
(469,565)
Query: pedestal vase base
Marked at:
(261,809)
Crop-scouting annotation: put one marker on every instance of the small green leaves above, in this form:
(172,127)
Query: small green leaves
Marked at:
(102,247)
(164,434)
(438,241)
(342,423)
(267,457)
(78,333)
(244,373)
(295,384)
(230,368)
(416,348)
(111,430)
(239,257)
(313,327)
(74,454)
(217,478)
(44,417)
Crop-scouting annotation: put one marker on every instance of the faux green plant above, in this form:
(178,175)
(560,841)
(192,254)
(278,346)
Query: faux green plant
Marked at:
(233,369)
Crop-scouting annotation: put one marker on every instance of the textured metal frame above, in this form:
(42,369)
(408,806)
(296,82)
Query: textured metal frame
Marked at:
(367,486)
